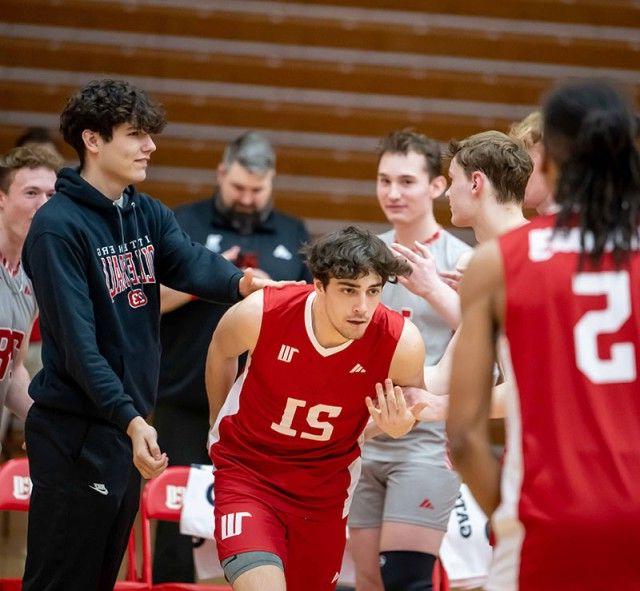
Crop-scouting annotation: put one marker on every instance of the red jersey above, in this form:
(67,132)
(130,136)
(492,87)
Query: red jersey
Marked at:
(292,422)
(570,512)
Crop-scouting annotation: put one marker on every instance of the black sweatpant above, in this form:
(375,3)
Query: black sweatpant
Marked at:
(84,500)
(182,434)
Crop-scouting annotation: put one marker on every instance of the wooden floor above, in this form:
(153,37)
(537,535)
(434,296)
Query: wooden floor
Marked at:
(13,544)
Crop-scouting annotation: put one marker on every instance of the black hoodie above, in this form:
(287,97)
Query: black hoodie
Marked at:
(96,270)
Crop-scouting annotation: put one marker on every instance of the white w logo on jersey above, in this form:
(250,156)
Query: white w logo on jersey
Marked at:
(286,353)
(232,524)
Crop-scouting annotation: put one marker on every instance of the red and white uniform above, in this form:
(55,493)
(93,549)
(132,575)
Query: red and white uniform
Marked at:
(286,445)
(570,512)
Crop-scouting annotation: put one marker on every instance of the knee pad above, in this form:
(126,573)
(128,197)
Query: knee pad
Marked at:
(403,570)
(237,564)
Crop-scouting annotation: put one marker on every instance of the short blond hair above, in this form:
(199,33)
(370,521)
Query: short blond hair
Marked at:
(529,130)
(30,156)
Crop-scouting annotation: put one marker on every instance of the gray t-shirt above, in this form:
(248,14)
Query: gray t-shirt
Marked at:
(426,441)
(17,312)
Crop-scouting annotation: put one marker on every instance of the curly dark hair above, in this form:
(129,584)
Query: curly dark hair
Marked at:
(102,105)
(352,253)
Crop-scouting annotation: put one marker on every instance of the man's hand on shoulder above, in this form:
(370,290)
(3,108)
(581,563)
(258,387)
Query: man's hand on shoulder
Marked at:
(251,281)
(260,274)
(147,457)
(391,414)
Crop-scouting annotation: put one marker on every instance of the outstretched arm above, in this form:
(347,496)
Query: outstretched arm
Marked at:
(435,407)
(482,298)
(171,299)
(437,377)
(236,333)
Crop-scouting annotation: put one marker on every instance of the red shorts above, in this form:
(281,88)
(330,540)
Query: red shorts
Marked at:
(310,549)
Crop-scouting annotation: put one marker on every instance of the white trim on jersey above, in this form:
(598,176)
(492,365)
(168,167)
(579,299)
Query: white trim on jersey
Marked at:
(506,524)
(355,468)
(308,323)
(231,406)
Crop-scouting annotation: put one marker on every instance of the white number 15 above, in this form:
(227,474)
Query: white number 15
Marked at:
(325,427)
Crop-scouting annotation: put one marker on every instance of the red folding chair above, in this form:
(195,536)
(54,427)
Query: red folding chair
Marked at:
(132,581)
(15,493)
(162,500)
(440,579)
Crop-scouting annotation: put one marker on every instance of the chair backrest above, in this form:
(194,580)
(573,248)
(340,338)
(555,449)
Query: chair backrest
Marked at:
(15,494)
(161,499)
(162,496)
(15,485)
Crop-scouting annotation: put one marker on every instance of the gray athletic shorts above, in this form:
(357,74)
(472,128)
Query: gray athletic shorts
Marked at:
(405,492)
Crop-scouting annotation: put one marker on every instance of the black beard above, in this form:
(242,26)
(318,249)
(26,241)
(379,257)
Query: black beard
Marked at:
(243,223)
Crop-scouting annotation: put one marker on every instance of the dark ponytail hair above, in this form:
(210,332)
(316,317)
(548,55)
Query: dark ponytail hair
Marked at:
(590,133)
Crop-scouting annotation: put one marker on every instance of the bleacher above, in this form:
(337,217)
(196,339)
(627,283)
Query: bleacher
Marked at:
(324,78)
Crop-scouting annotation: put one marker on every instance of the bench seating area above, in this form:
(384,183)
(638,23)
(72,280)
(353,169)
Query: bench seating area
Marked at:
(325,79)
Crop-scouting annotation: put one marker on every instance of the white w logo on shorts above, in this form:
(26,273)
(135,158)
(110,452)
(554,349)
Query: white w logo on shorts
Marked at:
(232,524)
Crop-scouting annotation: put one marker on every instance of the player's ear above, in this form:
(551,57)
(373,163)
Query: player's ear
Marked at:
(477,182)
(438,186)
(91,141)
(319,287)
(221,172)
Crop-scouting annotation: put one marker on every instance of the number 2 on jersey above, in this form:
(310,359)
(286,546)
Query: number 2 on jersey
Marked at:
(621,368)
(313,415)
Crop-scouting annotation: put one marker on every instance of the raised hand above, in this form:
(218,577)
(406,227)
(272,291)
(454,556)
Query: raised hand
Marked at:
(391,414)
(424,278)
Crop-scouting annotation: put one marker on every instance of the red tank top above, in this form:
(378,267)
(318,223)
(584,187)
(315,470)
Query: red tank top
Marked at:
(292,422)
(574,338)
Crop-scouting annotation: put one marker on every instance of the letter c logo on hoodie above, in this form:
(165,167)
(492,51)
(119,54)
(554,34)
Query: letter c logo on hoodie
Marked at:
(137,299)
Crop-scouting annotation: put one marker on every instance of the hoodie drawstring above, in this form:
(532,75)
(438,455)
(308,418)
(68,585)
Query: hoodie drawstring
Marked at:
(135,219)
(122,243)
(121,225)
